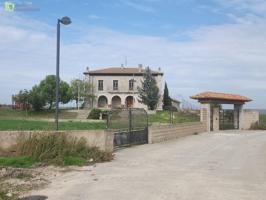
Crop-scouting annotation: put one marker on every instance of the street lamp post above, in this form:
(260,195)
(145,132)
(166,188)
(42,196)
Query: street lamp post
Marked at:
(65,21)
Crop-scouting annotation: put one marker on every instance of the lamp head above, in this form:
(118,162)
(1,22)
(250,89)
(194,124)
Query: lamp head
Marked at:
(65,20)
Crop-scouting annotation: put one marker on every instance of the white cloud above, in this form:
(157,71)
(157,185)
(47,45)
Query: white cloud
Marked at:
(94,17)
(138,6)
(254,6)
(229,58)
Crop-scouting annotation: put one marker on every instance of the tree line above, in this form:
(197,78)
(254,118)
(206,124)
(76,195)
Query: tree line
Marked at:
(42,95)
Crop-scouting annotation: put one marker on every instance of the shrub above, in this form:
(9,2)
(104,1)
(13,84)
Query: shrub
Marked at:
(59,149)
(94,114)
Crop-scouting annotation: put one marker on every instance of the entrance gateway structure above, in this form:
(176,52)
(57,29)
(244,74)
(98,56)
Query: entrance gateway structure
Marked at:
(217,118)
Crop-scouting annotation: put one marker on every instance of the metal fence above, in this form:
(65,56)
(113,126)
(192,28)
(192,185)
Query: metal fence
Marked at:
(130,126)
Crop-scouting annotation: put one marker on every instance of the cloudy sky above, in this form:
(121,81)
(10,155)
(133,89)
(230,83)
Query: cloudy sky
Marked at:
(201,45)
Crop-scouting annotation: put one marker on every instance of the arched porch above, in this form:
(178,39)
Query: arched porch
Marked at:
(102,102)
(116,102)
(129,102)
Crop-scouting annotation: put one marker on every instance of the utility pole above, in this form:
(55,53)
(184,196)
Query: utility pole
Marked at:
(65,21)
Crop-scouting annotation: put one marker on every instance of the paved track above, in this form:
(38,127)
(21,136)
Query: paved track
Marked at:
(219,166)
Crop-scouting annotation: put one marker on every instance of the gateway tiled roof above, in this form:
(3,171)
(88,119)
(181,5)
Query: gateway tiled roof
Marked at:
(220,96)
(121,70)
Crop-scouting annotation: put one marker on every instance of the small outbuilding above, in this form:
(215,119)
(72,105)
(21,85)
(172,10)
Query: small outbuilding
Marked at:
(217,118)
(176,104)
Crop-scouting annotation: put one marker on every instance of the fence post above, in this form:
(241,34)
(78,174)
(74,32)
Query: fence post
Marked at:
(171,117)
(108,120)
(147,126)
(130,124)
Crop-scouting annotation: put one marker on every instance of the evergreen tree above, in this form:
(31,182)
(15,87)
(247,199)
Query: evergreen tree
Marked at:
(167,101)
(149,92)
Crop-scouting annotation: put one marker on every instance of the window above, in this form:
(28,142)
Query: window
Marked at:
(131,84)
(115,84)
(100,85)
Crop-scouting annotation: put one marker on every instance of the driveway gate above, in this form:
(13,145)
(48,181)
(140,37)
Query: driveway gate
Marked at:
(227,119)
(130,126)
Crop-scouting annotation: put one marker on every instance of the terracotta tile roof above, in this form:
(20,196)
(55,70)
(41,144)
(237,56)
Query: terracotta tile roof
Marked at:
(220,96)
(121,70)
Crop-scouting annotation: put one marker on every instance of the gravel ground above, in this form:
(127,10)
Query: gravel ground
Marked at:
(221,166)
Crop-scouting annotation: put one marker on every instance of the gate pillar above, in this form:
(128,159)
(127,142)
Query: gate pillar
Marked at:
(238,116)
(216,120)
(205,115)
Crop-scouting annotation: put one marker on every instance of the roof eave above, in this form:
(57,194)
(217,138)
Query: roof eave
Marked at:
(220,99)
(99,74)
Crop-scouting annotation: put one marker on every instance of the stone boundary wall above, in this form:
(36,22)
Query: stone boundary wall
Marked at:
(248,118)
(95,138)
(169,132)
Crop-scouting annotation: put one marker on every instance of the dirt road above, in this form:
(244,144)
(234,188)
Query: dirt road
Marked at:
(219,166)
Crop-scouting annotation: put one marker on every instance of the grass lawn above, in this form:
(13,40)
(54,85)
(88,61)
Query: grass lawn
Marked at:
(22,161)
(18,120)
(8,113)
(179,117)
(19,124)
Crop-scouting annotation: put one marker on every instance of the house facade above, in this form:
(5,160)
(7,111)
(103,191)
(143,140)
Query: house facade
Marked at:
(116,87)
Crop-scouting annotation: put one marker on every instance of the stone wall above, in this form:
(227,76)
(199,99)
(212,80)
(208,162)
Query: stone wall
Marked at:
(169,132)
(98,138)
(248,118)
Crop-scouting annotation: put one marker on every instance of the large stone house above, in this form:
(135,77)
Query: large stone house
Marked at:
(116,87)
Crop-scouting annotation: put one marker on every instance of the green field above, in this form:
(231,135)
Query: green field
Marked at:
(7,113)
(21,125)
(43,120)
(179,117)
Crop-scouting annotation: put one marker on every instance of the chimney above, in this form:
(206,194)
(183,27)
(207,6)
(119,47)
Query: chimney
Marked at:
(140,67)
(87,69)
(159,69)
